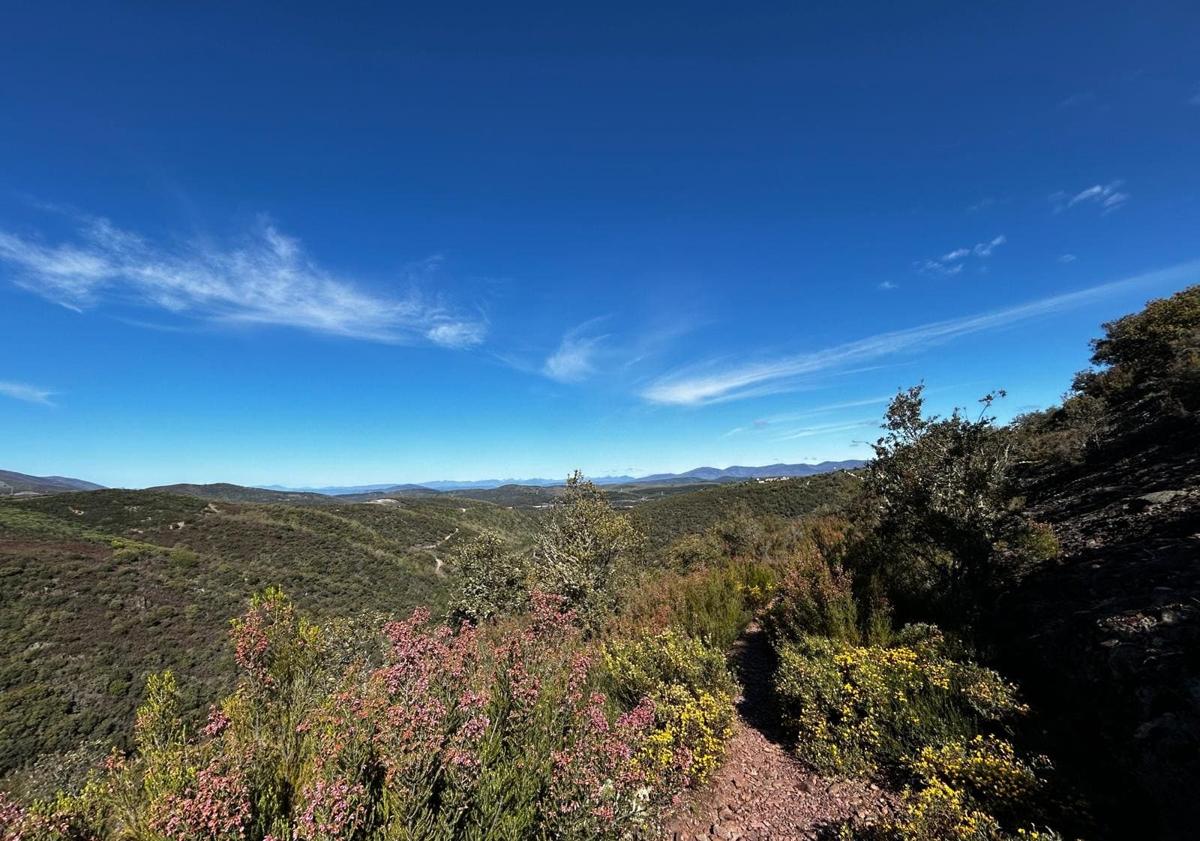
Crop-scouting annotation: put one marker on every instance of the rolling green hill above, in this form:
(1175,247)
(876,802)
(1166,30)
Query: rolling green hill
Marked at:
(674,515)
(98,589)
(223,491)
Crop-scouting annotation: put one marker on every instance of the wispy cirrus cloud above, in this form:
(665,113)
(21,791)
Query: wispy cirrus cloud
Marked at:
(952,262)
(27,393)
(267,278)
(826,429)
(773,421)
(1108,196)
(574,359)
(720,381)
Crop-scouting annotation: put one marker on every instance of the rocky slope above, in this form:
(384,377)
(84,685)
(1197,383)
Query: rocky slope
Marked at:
(1106,642)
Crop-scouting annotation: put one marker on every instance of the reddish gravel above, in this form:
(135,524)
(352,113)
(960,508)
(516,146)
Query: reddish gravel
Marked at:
(761,791)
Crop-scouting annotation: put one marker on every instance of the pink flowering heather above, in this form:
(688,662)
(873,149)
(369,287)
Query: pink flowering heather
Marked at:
(217,723)
(596,780)
(216,807)
(333,810)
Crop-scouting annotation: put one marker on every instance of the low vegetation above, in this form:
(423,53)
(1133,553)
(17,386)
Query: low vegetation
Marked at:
(545,720)
(98,590)
(578,685)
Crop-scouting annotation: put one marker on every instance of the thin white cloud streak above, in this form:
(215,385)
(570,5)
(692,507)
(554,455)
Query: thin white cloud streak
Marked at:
(575,358)
(709,383)
(826,429)
(1107,196)
(27,393)
(951,263)
(268,279)
(816,411)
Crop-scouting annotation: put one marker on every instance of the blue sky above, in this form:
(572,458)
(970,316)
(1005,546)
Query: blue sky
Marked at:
(245,244)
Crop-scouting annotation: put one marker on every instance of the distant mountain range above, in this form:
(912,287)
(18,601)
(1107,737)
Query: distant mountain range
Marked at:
(12,483)
(22,483)
(699,474)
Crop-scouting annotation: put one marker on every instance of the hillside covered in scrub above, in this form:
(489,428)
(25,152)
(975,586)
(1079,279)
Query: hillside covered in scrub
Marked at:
(989,633)
(100,589)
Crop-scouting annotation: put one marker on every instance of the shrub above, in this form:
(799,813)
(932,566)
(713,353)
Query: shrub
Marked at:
(937,503)
(694,550)
(1149,361)
(871,709)
(740,532)
(815,598)
(454,735)
(691,691)
(973,790)
(487,580)
(717,607)
(713,604)
(585,551)
(1061,435)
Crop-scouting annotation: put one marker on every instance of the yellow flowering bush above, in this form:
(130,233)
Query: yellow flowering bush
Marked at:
(973,789)
(869,709)
(692,692)
(939,812)
(986,767)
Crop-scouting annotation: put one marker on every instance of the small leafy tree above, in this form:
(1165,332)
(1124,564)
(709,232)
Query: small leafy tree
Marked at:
(938,493)
(585,550)
(488,580)
(1149,361)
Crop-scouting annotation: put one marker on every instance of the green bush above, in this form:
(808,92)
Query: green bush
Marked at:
(718,606)
(1148,361)
(585,551)
(872,709)
(975,789)
(694,550)
(487,579)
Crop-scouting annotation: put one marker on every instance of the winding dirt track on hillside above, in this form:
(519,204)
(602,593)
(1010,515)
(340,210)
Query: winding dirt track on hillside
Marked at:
(762,792)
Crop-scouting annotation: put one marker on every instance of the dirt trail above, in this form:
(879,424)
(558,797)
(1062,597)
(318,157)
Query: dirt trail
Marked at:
(761,792)
(430,547)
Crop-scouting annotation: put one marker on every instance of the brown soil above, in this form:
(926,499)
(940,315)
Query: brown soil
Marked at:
(762,791)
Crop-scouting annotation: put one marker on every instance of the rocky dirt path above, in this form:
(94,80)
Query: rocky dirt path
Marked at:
(761,792)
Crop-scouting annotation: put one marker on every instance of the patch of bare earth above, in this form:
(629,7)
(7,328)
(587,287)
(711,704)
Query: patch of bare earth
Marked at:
(762,792)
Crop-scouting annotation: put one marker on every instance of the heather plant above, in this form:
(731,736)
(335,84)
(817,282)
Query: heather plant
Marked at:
(816,597)
(453,734)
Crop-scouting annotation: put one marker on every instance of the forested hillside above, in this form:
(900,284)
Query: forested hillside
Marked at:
(100,589)
(674,516)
